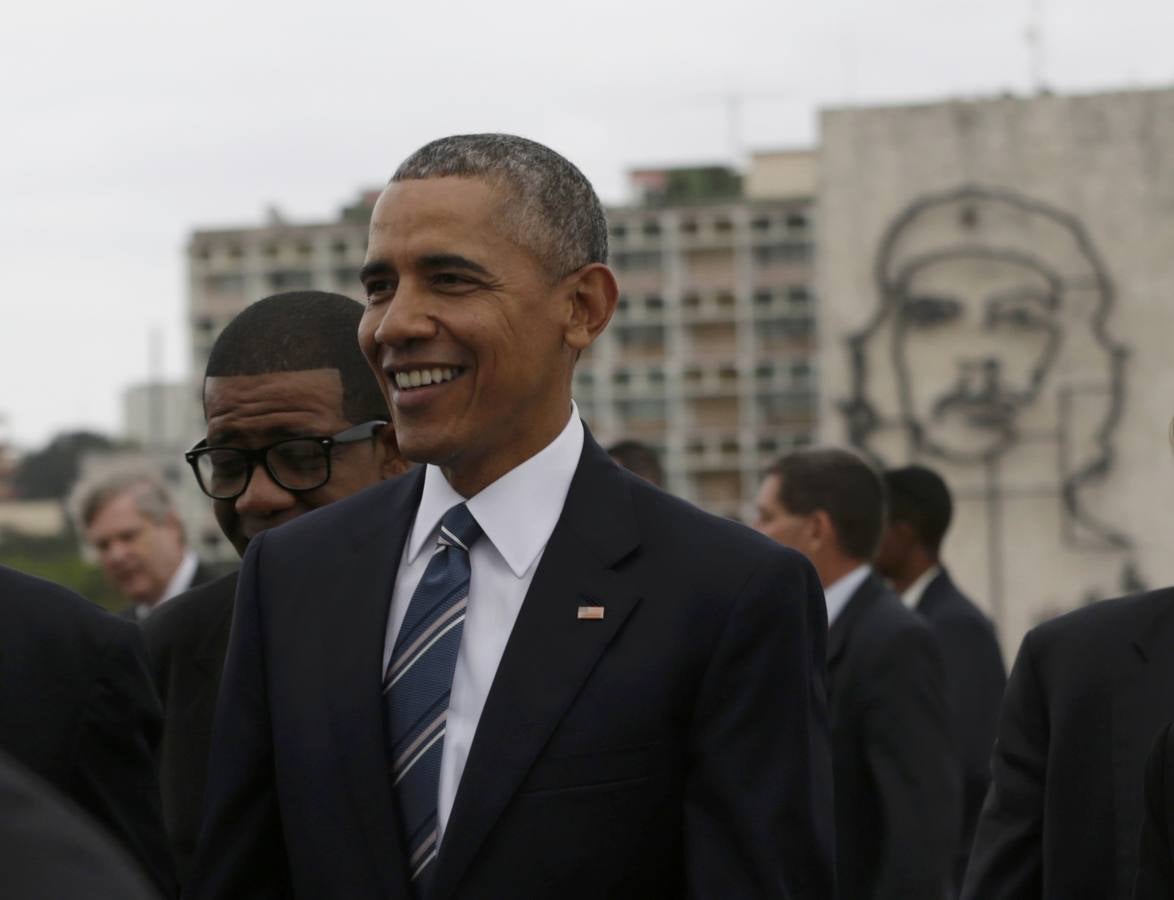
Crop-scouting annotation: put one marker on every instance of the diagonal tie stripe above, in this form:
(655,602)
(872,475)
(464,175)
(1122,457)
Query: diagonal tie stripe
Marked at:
(416,688)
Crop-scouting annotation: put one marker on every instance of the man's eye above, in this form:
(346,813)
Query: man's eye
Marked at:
(452,280)
(378,287)
(929,311)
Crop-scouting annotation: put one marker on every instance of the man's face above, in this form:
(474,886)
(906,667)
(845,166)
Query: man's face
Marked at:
(777,522)
(465,330)
(974,339)
(252,411)
(138,555)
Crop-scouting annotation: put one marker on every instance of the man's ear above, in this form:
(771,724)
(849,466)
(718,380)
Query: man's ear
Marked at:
(823,531)
(393,462)
(593,294)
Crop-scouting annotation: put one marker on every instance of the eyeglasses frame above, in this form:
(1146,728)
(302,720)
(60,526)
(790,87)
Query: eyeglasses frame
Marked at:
(361,432)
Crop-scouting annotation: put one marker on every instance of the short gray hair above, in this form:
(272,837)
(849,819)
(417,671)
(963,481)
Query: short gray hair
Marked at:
(152,498)
(550,209)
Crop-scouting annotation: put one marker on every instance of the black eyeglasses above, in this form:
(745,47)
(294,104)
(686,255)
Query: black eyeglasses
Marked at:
(296,464)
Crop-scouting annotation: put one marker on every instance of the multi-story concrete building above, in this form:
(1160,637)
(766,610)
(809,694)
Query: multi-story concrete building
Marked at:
(711,355)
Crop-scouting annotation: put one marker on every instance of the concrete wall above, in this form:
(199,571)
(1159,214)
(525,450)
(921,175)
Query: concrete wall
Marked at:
(1059,267)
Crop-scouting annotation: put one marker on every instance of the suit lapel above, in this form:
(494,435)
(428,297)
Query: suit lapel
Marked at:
(354,607)
(1141,705)
(549,655)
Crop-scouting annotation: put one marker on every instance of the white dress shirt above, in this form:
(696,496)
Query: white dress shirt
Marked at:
(839,592)
(913,594)
(517,515)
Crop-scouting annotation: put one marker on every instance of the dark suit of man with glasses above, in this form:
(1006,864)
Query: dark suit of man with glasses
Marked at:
(296,420)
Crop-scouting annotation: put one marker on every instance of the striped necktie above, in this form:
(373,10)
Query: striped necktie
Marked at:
(416,688)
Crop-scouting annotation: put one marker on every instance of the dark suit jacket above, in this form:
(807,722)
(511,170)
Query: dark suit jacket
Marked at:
(77,707)
(1155,874)
(50,850)
(1088,692)
(677,747)
(976,676)
(187,639)
(898,784)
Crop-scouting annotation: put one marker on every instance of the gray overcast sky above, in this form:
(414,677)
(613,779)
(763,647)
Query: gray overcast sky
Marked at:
(128,124)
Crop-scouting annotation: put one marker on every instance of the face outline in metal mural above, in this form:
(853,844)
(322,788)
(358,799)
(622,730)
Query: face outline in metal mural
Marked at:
(983,294)
(1004,311)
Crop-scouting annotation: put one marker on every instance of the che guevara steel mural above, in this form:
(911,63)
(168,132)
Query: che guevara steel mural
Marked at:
(991,329)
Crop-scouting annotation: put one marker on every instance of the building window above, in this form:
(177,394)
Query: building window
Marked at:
(651,228)
(619,230)
(788,251)
(225,283)
(654,302)
(305,249)
(270,250)
(234,251)
(796,221)
(656,375)
(339,248)
(760,223)
(688,226)
(637,259)
(290,279)
(622,376)
(730,445)
(201,252)
(725,299)
(765,370)
(798,294)
(723,225)
(691,300)
(763,297)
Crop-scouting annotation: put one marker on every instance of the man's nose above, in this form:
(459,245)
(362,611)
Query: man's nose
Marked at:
(263,496)
(406,317)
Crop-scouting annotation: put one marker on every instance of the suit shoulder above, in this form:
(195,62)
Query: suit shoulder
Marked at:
(189,614)
(701,537)
(1098,626)
(32,605)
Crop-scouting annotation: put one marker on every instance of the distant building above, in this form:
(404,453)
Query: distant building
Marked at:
(711,356)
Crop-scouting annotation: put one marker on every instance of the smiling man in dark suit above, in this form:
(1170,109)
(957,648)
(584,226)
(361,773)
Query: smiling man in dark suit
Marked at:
(286,382)
(519,671)
(898,783)
(909,556)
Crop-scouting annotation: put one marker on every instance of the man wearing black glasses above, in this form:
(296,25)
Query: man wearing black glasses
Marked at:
(296,420)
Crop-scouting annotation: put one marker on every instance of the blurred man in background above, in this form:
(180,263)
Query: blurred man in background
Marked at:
(640,459)
(130,523)
(897,783)
(296,420)
(78,709)
(920,509)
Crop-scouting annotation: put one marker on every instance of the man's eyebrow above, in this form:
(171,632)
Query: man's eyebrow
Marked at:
(378,267)
(452,261)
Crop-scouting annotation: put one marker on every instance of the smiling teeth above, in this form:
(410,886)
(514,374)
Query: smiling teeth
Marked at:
(421,377)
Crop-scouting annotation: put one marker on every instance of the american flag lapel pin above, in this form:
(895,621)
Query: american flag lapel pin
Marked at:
(591,611)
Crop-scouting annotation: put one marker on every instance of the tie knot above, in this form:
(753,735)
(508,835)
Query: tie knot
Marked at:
(458,528)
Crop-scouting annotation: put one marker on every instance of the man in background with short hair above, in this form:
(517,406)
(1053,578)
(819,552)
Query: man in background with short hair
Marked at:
(129,521)
(640,459)
(920,510)
(296,420)
(897,782)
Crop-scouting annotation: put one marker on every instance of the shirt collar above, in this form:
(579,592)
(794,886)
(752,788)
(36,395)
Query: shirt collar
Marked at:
(517,512)
(839,592)
(181,580)
(913,594)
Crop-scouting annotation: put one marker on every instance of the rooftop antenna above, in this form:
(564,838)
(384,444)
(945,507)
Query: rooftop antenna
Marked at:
(1034,35)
